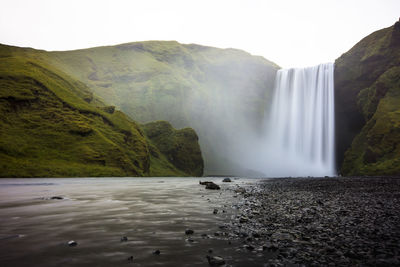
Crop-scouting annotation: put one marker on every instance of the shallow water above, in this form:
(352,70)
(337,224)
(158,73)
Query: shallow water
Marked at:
(96,212)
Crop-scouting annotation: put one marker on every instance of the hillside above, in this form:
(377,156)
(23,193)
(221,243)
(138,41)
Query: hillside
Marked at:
(367,88)
(51,125)
(221,93)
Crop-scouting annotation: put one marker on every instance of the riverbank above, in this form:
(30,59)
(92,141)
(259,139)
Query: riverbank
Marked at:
(317,222)
(248,222)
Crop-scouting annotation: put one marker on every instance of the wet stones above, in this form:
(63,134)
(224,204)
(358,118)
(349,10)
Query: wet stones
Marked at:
(156,252)
(227,180)
(189,232)
(243,219)
(210,185)
(303,221)
(215,260)
(72,243)
(124,239)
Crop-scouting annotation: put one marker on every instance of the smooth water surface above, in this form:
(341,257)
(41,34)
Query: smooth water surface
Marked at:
(96,212)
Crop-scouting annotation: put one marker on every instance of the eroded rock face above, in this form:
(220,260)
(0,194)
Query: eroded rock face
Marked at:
(367,105)
(181,147)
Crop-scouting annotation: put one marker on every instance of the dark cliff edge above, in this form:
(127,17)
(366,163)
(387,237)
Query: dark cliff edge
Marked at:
(367,104)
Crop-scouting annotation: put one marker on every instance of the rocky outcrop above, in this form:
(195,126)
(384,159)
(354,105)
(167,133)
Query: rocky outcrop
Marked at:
(180,147)
(367,99)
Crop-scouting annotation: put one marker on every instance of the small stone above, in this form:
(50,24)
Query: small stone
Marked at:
(215,261)
(124,239)
(210,251)
(248,247)
(215,211)
(130,258)
(227,180)
(72,243)
(56,197)
(243,219)
(256,235)
(157,252)
(189,232)
(212,186)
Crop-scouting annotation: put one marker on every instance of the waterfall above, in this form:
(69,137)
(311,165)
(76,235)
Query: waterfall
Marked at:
(300,128)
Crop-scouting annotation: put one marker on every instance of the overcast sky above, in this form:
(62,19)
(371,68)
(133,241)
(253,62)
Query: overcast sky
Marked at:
(290,33)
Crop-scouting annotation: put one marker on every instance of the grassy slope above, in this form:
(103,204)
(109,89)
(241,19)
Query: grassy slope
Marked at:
(216,91)
(368,84)
(51,126)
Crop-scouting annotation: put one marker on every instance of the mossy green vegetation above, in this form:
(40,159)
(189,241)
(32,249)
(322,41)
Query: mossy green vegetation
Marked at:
(52,125)
(217,92)
(367,86)
(180,147)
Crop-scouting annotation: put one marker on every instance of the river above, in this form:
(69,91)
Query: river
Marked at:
(152,213)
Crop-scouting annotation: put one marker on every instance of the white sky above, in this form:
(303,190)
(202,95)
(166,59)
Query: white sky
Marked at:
(290,33)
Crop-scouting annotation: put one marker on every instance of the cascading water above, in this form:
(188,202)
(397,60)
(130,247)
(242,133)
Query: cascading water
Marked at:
(300,139)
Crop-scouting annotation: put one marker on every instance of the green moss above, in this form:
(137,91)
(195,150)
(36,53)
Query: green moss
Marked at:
(367,104)
(376,150)
(180,147)
(53,126)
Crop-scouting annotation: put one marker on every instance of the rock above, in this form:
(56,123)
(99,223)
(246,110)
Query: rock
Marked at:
(205,183)
(130,258)
(210,251)
(248,247)
(243,219)
(212,186)
(189,232)
(256,235)
(240,190)
(157,252)
(227,180)
(56,197)
(124,239)
(215,261)
(72,243)
(215,211)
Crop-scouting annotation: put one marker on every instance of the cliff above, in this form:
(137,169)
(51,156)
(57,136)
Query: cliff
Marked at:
(367,99)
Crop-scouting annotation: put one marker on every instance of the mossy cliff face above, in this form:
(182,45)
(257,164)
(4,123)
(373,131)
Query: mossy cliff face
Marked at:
(180,147)
(367,97)
(52,125)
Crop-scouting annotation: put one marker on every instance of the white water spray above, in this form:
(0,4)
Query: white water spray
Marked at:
(300,129)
